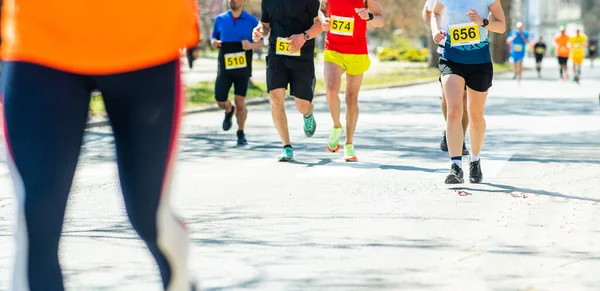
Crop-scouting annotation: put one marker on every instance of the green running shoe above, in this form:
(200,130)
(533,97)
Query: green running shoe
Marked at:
(349,154)
(287,155)
(310,125)
(334,140)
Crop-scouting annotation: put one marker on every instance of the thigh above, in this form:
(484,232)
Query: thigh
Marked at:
(241,84)
(277,73)
(333,76)
(222,87)
(479,77)
(144,108)
(302,79)
(45,113)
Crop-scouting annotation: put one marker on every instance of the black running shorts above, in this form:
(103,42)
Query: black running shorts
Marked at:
(478,77)
(299,74)
(226,80)
(539,58)
(563,61)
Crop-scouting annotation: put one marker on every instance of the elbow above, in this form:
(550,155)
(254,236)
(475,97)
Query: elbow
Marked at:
(502,28)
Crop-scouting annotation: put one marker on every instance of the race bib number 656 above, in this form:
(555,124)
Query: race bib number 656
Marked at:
(464,34)
(283,48)
(342,25)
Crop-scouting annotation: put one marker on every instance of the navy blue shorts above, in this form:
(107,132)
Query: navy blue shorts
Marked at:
(45,113)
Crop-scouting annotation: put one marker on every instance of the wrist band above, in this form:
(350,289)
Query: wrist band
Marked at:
(370,16)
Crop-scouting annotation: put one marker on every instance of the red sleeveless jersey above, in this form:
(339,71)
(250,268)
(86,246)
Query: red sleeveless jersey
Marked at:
(348,32)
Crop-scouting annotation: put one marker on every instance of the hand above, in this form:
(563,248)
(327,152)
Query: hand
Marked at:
(297,41)
(363,13)
(258,33)
(246,45)
(439,36)
(215,43)
(326,24)
(474,17)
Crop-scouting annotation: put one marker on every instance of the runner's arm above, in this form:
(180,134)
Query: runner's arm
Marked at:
(375,8)
(426,14)
(498,25)
(436,17)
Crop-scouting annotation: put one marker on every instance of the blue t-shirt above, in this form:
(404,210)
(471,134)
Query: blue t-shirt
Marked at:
(228,29)
(518,44)
(461,28)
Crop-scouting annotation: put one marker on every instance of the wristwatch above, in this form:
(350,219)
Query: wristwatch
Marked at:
(485,22)
(306,36)
(371,16)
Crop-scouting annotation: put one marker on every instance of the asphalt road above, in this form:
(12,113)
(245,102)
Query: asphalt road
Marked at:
(385,223)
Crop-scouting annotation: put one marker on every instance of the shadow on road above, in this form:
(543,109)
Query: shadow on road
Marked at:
(507,189)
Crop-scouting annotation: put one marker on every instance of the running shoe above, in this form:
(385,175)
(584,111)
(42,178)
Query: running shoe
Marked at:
(349,154)
(227,120)
(334,140)
(310,125)
(241,138)
(444,143)
(455,176)
(475,174)
(287,155)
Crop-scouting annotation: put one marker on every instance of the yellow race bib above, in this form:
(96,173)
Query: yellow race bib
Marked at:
(235,61)
(342,25)
(539,50)
(282,48)
(464,34)
(593,48)
(518,48)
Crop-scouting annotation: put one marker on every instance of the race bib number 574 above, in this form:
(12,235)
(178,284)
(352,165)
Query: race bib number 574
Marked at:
(342,25)
(464,34)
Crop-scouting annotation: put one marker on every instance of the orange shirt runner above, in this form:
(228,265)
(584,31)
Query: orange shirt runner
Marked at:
(98,37)
(563,50)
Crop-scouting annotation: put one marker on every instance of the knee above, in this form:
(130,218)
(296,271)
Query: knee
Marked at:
(455,112)
(277,103)
(476,119)
(240,104)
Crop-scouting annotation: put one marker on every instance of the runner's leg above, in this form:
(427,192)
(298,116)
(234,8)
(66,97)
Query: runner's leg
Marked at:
(45,113)
(333,83)
(144,108)
(353,83)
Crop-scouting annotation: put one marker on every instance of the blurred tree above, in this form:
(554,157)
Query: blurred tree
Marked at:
(498,45)
(591,19)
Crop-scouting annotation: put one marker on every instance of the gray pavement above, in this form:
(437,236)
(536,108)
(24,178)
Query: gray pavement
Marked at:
(386,223)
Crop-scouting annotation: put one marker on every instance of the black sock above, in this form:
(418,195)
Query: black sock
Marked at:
(240,132)
(287,146)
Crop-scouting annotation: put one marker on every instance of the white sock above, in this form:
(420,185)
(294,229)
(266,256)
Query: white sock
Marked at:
(475,158)
(458,163)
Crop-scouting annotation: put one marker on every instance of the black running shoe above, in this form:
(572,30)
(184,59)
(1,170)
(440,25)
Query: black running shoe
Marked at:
(455,176)
(241,138)
(475,174)
(465,150)
(227,121)
(444,143)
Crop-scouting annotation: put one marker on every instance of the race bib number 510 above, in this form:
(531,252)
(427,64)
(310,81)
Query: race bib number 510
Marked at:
(235,61)
(464,34)
(342,25)
(283,48)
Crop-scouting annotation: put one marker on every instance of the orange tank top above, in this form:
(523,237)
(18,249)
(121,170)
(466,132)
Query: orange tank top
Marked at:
(98,37)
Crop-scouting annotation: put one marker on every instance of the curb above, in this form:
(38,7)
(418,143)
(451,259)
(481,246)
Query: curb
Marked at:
(265,100)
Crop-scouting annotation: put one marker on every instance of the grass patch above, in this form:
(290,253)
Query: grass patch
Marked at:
(502,67)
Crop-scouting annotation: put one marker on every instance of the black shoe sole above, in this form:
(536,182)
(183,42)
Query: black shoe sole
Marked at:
(285,160)
(451,179)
